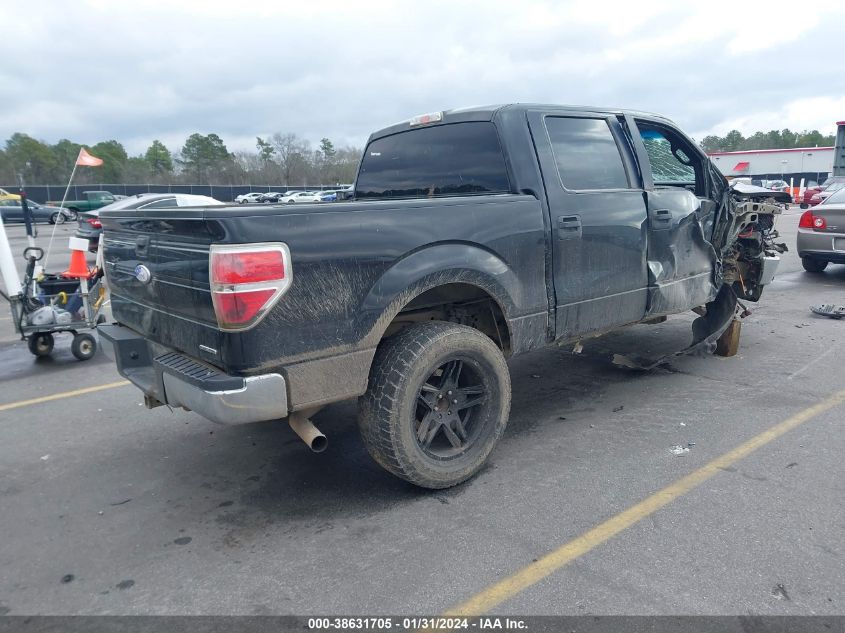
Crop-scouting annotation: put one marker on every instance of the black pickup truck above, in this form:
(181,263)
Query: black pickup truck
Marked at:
(474,235)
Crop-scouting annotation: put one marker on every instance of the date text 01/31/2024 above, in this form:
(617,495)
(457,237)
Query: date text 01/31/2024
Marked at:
(415,623)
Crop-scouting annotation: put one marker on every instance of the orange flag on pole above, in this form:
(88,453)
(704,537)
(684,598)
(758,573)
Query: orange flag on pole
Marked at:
(86,160)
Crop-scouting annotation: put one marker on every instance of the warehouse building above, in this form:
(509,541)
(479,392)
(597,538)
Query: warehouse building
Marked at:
(813,164)
(809,163)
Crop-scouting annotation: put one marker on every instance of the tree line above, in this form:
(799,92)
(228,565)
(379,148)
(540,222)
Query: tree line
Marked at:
(734,141)
(280,159)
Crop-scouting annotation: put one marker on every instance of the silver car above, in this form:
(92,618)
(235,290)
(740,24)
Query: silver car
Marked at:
(821,234)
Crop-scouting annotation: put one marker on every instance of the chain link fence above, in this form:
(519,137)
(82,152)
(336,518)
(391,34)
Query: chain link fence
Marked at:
(224,193)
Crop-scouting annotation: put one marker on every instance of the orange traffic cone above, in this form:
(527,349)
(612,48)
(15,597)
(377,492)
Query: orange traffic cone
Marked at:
(78,266)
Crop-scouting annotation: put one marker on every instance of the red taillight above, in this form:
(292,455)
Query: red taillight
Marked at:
(248,267)
(95,223)
(246,281)
(810,221)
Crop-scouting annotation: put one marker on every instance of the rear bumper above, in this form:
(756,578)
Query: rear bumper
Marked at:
(167,377)
(821,245)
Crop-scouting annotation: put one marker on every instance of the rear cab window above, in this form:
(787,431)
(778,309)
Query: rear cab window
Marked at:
(457,159)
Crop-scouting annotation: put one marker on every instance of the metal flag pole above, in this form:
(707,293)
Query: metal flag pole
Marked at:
(28,220)
(61,206)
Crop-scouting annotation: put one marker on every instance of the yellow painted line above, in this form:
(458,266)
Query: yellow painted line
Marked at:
(530,575)
(62,395)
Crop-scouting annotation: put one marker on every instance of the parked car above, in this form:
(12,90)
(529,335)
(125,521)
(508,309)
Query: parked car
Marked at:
(89,226)
(270,196)
(476,235)
(810,199)
(5,195)
(91,200)
(776,185)
(328,196)
(12,211)
(300,196)
(831,186)
(821,233)
(249,198)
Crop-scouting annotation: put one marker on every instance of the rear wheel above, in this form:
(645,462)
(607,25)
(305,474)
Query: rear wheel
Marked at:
(83,346)
(813,265)
(40,344)
(57,218)
(437,402)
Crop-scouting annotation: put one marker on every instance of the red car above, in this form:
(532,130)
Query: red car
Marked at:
(811,197)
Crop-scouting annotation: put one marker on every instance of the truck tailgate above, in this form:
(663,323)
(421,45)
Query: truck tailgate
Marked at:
(157,268)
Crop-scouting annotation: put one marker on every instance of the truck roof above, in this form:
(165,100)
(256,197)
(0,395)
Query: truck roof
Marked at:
(487,113)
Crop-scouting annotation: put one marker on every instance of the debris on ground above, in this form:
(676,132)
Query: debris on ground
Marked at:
(578,348)
(829,310)
(677,450)
(619,408)
(44,458)
(779,592)
(120,503)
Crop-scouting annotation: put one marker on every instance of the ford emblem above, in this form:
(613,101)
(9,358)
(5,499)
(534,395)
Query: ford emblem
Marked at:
(143,274)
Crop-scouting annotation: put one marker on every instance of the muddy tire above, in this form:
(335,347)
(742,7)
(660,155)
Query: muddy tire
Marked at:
(438,400)
(813,265)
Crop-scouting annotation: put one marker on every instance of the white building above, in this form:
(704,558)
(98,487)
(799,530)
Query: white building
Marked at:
(810,163)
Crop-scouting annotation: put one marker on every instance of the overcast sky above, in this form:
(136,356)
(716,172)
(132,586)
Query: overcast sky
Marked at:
(93,70)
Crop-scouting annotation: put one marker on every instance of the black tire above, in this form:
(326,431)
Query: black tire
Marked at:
(40,344)
(83,346)
(813,265)
(57,218)
(402,401)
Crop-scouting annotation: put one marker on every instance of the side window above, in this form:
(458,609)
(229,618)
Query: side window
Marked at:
(586,154)
(166,203)
(672,163)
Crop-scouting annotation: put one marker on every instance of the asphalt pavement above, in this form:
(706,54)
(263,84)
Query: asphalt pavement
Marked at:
(108,508)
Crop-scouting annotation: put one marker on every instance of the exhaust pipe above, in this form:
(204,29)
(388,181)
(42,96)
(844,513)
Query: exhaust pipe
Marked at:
(301,424)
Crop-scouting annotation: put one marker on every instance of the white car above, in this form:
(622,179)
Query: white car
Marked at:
(301,196)
(248,198)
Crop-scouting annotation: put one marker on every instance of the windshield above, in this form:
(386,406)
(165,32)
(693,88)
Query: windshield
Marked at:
(838,197)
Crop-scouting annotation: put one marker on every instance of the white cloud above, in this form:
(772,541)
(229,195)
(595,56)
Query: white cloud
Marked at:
(166,68)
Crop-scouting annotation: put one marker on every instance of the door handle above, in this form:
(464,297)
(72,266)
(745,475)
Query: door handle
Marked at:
(660,218)
(568,227)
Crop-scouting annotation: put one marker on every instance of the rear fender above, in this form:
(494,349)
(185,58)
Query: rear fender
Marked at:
(435,266)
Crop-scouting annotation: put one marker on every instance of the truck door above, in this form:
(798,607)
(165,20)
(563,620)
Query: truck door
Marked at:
(598,220)
(681,259)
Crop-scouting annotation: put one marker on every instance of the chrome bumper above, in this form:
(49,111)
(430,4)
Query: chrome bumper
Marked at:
(167,377)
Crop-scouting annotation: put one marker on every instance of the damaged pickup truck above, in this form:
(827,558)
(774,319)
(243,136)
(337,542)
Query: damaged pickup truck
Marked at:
(474,235)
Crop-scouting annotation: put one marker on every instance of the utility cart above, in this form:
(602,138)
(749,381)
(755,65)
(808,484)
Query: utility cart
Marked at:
(50,304)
